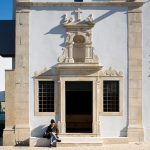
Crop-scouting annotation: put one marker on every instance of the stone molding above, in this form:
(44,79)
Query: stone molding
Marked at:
(85,4)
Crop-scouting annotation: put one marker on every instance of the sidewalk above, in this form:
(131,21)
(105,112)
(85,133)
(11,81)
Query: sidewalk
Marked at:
(131,146)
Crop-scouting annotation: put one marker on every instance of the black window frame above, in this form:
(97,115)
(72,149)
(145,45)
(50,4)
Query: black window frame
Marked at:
(111,96)
(78,0)
(46,90)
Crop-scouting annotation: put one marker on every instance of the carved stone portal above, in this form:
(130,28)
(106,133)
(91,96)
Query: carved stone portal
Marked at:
(78,47)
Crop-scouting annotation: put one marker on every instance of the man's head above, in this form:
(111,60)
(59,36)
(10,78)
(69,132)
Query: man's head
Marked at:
(52,121)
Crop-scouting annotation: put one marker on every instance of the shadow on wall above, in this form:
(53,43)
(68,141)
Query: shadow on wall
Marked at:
(123,132)
(59,29)
(38,131)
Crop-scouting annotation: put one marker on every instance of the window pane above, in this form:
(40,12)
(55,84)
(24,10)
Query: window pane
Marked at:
(111,96)
(46,96)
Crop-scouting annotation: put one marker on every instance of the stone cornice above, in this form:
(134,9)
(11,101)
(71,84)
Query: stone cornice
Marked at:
(85,4)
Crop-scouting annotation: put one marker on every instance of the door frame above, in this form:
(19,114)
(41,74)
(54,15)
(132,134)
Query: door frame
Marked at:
(95,101)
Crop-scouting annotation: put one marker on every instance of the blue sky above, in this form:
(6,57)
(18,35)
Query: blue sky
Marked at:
(6,9)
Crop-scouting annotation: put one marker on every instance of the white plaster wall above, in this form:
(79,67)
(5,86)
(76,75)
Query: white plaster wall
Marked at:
(146,70)
(110,43)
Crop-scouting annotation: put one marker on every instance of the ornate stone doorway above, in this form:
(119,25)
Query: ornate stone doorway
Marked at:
(78,106)
(78,63)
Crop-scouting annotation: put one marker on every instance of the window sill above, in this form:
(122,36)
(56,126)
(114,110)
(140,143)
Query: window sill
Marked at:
(44,113)
(111,113)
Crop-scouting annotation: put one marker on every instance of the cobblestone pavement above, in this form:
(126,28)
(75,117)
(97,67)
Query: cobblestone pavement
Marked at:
(131,146)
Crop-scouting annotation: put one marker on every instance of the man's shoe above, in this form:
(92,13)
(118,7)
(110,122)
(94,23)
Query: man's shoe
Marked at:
(58,140)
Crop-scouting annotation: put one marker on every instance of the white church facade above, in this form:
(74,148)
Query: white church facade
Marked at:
(80,63)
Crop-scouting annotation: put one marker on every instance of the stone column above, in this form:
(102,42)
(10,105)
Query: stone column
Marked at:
(135,128)
(62,107)
(88,58)
(70,53)
(22,130)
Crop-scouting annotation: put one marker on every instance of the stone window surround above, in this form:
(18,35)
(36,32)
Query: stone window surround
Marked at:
(121,96)
(36,100)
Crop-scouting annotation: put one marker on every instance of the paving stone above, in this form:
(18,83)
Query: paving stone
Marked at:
(131,146)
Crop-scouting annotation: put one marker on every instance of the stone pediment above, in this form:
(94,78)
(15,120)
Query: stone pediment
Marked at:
(78,69)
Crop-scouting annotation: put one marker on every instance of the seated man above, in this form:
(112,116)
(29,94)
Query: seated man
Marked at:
(53,131)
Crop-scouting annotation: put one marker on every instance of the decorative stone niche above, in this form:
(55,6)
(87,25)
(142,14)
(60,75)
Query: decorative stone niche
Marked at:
(78,47)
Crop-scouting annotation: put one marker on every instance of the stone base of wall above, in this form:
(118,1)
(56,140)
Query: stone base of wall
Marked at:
(8,137)
(22,136)
(135,134)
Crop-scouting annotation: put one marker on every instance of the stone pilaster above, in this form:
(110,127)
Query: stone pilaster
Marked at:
(62,109)
(22,131)
(8,133)
(135,129)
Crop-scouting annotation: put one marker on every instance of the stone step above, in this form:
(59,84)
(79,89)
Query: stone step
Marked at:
(78,135)
(68,141)
(79,141)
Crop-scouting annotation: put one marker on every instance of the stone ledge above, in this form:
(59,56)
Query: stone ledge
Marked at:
(85,66)
(67,141)
(39,142)
(115,140)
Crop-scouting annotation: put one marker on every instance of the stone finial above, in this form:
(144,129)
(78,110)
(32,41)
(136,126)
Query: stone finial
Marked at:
(112,72)
(67,20)
(61,58)
(78,12)
(89,19)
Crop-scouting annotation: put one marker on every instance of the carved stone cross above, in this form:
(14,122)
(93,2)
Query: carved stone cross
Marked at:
(78,12)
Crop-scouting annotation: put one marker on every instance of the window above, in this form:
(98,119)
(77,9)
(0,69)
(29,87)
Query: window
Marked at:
(111,96)
(78,0)
(46,96)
